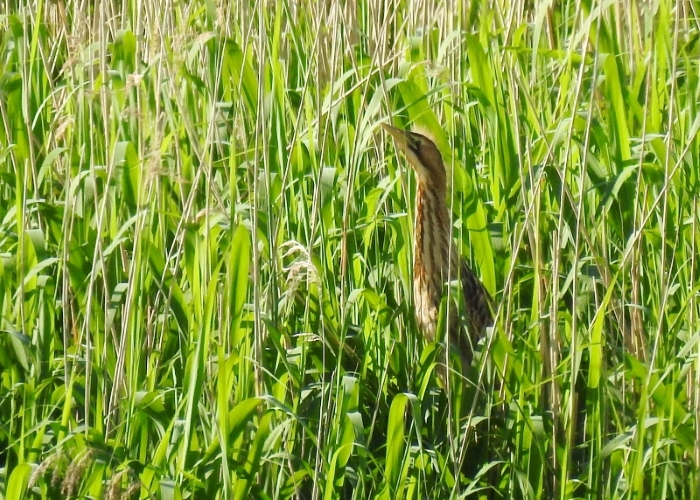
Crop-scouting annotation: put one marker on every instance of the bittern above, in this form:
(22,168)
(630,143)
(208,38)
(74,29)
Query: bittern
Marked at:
(436,260)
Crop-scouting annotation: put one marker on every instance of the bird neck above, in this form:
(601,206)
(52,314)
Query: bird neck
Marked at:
(432,228)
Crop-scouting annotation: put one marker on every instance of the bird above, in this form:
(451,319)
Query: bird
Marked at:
(436,260)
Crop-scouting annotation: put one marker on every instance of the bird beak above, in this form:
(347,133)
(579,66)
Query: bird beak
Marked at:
(403,140)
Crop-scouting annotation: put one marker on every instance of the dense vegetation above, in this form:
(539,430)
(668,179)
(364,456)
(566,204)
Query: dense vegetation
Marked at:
(206,249)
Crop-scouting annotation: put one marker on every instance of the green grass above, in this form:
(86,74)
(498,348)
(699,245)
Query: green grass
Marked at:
(206,249)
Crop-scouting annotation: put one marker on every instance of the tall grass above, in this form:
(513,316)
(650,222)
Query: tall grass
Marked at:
(206,249)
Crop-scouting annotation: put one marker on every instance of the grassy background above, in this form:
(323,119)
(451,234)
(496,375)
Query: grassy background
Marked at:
(205,249)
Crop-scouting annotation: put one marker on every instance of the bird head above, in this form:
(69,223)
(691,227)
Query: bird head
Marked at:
(422,154)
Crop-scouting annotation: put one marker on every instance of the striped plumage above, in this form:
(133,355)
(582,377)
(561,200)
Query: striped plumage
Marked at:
(436,258)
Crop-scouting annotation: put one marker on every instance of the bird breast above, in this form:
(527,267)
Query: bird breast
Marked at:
(436,261)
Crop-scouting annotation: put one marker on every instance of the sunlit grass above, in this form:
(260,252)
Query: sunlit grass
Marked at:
(206,250)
